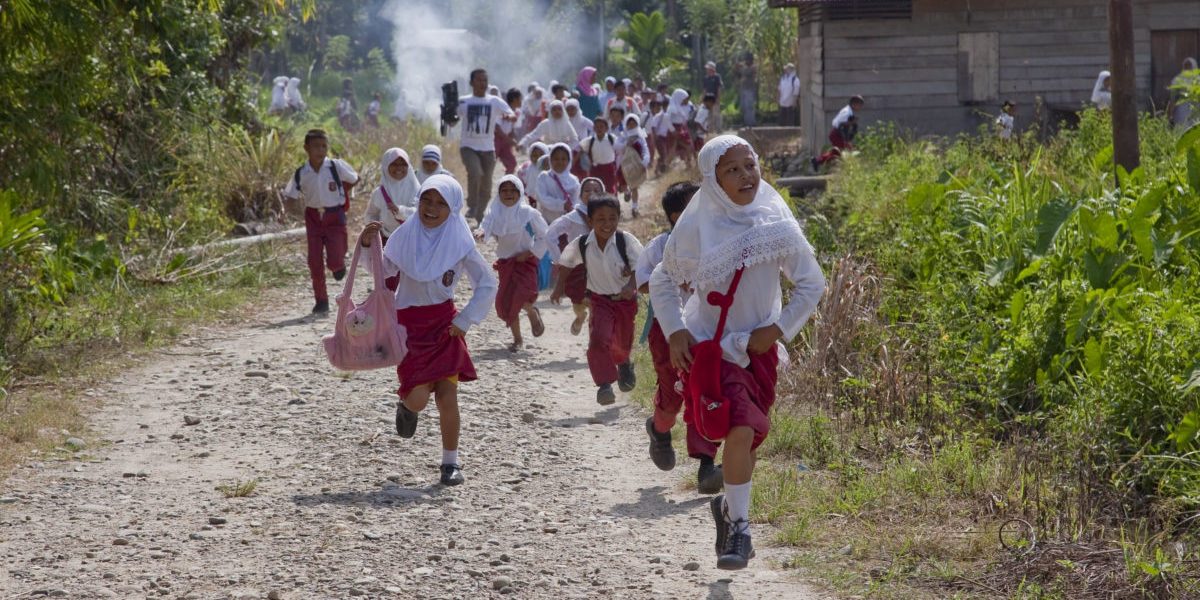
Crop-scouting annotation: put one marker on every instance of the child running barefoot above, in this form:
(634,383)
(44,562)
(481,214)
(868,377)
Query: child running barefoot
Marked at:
(427,255)
(564,230)
(395,200)
(557,190)
(667,400)
(609,255)
(734,239)
(520,234)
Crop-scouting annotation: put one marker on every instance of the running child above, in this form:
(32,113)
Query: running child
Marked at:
(427,255)
(609,256)
(565,230)
(635,160)
(324,183)
(395,200)
(505,134)
(529,171)
(554,130)
(520,234)
(557,190)
(668,402)
(598,154)
(431,163)
(734,240)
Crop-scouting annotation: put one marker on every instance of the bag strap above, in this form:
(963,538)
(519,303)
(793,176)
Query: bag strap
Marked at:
(376,258)
(387,198)
(725,302)
(621,249)
(567,204)
(583,250)
(296,178)
(337,181)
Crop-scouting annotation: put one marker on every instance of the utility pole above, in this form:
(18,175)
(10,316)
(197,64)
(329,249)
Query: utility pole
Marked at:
(1123,85)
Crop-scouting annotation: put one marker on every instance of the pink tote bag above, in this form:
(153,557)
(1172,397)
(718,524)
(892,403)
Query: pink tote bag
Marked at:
(366,336)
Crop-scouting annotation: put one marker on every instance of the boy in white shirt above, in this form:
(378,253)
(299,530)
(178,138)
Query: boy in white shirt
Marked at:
(609,255)
(324,185)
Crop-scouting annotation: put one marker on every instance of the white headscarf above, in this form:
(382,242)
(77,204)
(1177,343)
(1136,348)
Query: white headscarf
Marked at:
(570,156)
(636,130)
(500,220)
(582,124)
(403,192)
(292,93)
(279,93)
(715,236)
(426,254)
(676,109)
(560,129)
(428,152)
(1100,96)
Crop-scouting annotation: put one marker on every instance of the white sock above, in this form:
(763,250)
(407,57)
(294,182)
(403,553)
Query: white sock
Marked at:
(449,457)
(635,205)
(737,503)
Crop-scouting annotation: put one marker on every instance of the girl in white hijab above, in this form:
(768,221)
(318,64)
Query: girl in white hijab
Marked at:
(557,190)
(554,130)
(426,256)
(278,94)
(395,200)
(679,111)
(520,234)
(431,163)
(1101,93)
(634,149)
(292,94)
(736,223)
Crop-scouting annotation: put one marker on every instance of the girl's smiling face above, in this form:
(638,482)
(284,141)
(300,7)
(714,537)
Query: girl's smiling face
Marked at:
(737,174)
(556,112)
(559,160)
(509,195)
(399,168)
(433,208)
(535,155)
(589,189)
(572,111)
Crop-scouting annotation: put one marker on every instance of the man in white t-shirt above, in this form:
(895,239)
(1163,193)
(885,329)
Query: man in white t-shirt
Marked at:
(478,115)
(789,94)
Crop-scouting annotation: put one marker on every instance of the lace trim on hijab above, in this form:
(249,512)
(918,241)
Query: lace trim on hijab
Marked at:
(755,246)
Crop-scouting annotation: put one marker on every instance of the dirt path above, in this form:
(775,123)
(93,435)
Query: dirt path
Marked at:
(561,500)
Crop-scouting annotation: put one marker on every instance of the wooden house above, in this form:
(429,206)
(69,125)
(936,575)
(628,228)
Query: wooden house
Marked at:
(943,66)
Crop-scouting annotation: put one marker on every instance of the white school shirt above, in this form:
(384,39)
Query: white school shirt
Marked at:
(542,134)
(602,151)
(605,269)
(651,256)
(661,123)
(513,244)
(377,210)
(757,303)
(789,90)
(583,128)
(410,292)
(373,108)
(319,189)
(478,117)
(550,197)
(564,225)
(1005,124)
(843,116)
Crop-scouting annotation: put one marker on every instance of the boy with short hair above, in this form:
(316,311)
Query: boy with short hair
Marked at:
(324,184)
(610,256)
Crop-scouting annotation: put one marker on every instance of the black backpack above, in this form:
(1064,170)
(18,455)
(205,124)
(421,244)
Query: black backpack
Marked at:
(620,239)
(336,180)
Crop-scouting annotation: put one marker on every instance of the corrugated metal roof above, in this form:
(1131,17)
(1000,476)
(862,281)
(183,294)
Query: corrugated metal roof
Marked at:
(839,10)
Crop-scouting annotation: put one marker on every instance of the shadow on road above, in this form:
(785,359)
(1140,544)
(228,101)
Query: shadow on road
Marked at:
(389,495)
(602,417)
(651,504)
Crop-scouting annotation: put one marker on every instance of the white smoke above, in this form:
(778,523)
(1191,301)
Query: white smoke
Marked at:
(516,41)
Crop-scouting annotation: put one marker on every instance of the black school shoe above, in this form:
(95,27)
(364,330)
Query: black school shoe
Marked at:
(321,307)
(605,395)
(452,475)
(626,377)
(406,421)
(339,275)
(716,506)
(738,549)
(661,451)
(709,479)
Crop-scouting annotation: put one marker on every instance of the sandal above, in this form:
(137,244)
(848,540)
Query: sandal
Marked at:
(536,324)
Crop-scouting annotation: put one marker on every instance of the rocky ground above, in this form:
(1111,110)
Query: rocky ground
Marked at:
(561,500)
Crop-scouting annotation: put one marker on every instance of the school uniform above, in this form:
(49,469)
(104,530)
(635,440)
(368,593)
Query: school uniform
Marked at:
(634,141)
(395,200)
(1004,126)
(517,229)
(563,231)
(551,131)
(505,150)
(325,204)
(427,265)
(610,339)
(668,402)
(840,136)
(602,156)
(556,193)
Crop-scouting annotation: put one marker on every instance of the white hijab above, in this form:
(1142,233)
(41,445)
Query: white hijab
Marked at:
(560,129)
(425,254)
(636,130)
(676,108)
(715,236)
(428,152)
(501,220)
(582,125)
(1100,96)
(279,92)
(293,92)
(403,192)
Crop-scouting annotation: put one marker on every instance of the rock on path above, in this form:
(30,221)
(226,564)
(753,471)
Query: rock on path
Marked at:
(561,500)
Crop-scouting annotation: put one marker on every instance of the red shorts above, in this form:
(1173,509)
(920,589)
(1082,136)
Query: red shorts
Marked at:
(433,355)
(752,392)
(576,286)
(667,401)
(610,337)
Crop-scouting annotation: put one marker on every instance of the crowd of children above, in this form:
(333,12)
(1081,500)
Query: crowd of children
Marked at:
(563,204)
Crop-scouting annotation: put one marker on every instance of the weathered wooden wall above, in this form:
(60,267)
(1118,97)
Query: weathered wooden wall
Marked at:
(926,76)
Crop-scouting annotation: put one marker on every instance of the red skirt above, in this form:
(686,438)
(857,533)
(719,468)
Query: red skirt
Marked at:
(433,355)
(576,286)
(518,287)
(606,173)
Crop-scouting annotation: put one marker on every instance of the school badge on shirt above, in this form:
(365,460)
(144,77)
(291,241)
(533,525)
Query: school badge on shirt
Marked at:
(332,186)
(448,278)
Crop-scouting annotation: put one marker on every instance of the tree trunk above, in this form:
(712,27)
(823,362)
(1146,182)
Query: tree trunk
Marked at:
(1123,84)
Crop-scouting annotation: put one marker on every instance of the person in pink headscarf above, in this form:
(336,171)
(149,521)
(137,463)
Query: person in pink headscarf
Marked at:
(589,100)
